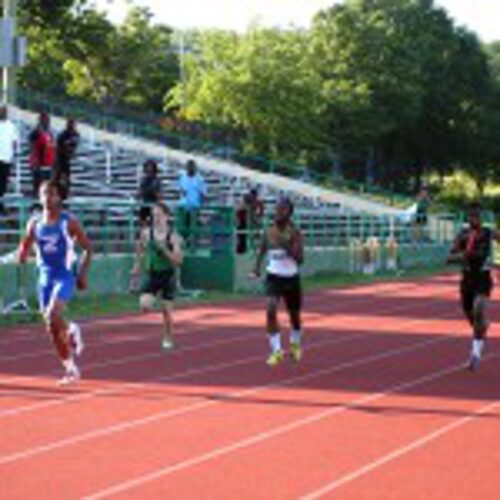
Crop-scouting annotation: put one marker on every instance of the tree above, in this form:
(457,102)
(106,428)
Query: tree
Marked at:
(260,81)
(83,54)
(401,83)
(482,158)
(45,22)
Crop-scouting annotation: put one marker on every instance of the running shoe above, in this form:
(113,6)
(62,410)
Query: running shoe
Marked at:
(167,343)
(296,351)
(71,376)
(275,358)
(473,365)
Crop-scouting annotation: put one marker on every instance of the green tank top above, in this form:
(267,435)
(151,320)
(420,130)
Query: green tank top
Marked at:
(156,260)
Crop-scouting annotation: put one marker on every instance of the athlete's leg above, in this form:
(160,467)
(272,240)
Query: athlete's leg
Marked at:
(293,302)
(467,295)
(61,292)
(479,314)
(272,324)
(52,306)
(57,327)
(147,302)
(168,324)
(166,287)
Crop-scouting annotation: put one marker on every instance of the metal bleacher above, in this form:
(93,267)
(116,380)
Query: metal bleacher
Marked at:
(106,173)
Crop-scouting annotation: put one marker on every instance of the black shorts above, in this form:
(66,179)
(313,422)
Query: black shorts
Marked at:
(161,283)
(421,219)
(473,285)
(287,287)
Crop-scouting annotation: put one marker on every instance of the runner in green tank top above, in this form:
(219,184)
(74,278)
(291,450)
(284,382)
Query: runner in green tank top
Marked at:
(162,248)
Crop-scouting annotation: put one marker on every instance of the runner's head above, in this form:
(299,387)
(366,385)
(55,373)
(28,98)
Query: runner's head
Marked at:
(284,211)
(474,215)
(161,215)
(50,195)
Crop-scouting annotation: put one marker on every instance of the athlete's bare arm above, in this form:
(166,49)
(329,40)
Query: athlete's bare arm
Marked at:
(78,234)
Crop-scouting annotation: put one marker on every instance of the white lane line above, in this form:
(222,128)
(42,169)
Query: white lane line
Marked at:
(312,298)
(339,308)
(399,452)
(90,345)
(138,385)
(263,436)
(131,424)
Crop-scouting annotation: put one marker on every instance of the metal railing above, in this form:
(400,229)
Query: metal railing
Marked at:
(113,226)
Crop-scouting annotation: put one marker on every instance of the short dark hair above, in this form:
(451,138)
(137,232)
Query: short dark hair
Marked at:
(52,184)
(285,201)
(163,207)
(474,206)
(150,163)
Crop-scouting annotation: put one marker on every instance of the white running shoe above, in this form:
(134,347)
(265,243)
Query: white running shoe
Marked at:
(72,375)
(76,338)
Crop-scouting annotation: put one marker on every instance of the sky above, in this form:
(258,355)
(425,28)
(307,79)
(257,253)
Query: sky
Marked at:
(480,16)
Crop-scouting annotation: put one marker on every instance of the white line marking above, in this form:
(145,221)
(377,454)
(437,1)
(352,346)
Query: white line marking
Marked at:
(263,436)
(399,452)
(31,407)
(204,404)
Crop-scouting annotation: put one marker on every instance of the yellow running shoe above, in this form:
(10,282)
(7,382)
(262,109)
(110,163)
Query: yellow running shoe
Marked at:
(296,351)
(275,358)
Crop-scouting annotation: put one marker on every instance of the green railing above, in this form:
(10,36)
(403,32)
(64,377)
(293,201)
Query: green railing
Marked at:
(148,126)
(113,227)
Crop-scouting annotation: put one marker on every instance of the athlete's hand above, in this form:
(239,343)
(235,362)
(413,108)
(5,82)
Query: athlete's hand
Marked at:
(255,274)
(81,282)
(454,259)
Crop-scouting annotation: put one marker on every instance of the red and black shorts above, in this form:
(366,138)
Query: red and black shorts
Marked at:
(472,285)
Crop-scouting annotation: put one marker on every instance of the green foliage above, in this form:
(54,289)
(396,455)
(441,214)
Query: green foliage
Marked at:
(261,81)
(400,81)
(87,56)
(391,89)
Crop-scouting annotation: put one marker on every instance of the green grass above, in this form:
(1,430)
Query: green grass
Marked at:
(93,306)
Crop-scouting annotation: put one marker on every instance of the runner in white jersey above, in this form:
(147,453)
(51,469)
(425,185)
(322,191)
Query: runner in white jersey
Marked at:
(284,247)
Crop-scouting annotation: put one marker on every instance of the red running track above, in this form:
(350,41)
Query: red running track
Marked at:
(380,407)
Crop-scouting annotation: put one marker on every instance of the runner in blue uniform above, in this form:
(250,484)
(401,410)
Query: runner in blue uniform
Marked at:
(54,233)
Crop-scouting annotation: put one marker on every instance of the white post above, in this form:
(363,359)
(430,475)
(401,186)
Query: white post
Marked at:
(9,73)
(108,165)
(18,173)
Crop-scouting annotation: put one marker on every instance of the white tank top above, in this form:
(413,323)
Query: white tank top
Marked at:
(280,263)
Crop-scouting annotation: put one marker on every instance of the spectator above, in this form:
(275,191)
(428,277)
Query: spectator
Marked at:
(193,192)
(67,143)
(256,208)
(9,139)
(149,189)
(421,217)
(248,218)
(42,154)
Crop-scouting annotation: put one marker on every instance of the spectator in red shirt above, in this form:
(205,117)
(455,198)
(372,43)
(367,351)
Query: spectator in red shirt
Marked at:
(249,215)
(42,152)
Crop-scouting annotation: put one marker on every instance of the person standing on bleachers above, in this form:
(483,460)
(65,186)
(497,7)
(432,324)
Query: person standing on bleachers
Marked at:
(149,189)
(42,152)
(193,191)
(249,215)
(67,143)
(9,139)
